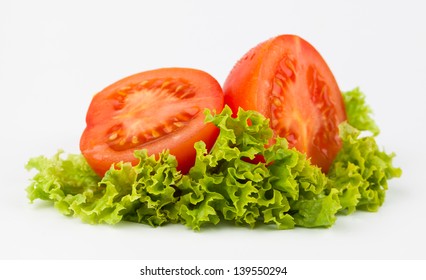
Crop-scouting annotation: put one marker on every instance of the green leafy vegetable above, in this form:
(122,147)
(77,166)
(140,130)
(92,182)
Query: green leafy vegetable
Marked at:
(144,193)
(361,170)
(241,180)
(358,112)
(228,185)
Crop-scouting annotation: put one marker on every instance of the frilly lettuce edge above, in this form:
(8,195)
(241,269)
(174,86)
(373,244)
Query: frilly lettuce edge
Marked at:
(241,180)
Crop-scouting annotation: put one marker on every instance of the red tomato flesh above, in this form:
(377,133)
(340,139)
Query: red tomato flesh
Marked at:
(154,110)
(289,82)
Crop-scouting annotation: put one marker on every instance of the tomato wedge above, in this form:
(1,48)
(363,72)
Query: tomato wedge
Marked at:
(288,81)
(154,110)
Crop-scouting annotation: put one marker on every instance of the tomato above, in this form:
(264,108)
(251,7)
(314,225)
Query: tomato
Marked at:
(288,81)
(154,110)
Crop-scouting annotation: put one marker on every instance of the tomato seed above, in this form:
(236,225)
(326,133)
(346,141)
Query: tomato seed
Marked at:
(165,84)
(187,94)
(168,128)
(179,88)
(179,124)
(277,102)
(113,136)
(155,133)
(135,139)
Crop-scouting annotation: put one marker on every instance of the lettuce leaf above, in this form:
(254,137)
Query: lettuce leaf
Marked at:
(242,179)
(361,171)
(144,193)
(227,183)
(358,112)
(61,180)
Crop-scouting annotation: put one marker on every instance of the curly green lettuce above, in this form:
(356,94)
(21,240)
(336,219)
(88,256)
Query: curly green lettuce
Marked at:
(361,171)
(358,112)
(144,193)
(241,180)
(228,183)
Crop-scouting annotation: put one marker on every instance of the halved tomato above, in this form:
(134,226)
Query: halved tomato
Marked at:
(154,110)
(289,82)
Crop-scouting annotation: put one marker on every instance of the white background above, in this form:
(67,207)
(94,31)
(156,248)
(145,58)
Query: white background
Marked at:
(54,55)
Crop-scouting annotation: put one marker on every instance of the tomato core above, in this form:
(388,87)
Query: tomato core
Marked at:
(138,105)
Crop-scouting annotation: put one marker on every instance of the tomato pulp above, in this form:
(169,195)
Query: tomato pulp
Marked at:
(154,110)
(288,81)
